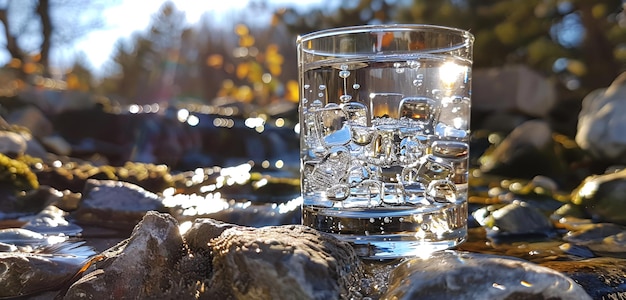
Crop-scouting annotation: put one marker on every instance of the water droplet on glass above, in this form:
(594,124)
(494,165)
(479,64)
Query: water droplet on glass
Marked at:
(322,87)
(343,67)
(345,98)
(356,86)
(321,95)
(344,74)
(307,86)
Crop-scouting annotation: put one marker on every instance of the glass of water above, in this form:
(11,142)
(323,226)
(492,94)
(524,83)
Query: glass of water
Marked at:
(384,131)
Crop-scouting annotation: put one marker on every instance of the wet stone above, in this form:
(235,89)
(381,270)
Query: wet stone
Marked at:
(282,262)
(515,218)
(139,267)
(115,204)
(464,275)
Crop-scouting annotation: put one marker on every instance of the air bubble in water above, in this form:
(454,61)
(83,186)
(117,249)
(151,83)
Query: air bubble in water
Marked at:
(345,98)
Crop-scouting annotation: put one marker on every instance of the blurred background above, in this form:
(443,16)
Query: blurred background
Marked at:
(231,64)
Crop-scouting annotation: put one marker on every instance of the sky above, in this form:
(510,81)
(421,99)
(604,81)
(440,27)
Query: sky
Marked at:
(130,16)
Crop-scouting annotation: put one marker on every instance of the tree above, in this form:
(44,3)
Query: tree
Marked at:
(32,29)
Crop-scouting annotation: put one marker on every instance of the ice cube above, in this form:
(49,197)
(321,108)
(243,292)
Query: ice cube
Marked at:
(410,150)
(394,193)
(338,192)
(423,110)
(339,137)
(365,194)
(452,150)
(444,130)
(441,191)
(385,105)
(385,146)
(331,170)
(356,113)
(434,168)
(362,135)
(358,174)
(331,118)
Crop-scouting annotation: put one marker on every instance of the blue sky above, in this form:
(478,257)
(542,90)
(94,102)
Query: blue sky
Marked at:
(134,15)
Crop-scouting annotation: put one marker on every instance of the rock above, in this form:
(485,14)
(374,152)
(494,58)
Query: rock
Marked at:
(202,231)
(602,122)
(32,263)
(602,277)
(282,262)
(602,196)
(464,275)
(514,218)
(12,143)
(526,152)
(115,204)
(140,267)
(515,88)
(57,144)
(33,119)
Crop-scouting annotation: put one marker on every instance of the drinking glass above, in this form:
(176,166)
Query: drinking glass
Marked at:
(384,129)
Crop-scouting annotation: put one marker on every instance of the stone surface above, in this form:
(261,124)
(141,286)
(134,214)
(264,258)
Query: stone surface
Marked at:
(115,203)
(202,231)
(140,267)
(514,218)
(526,152)
(32,118)
(602,122)
(12,143)
(282,262)
(602,196)
(514,88)
(464,275)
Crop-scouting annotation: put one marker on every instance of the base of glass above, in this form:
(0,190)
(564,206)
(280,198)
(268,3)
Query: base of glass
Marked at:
(400,246)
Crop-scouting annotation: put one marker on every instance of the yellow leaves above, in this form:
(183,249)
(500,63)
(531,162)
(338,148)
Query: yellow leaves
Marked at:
(241,30)
(246,41)
(292,91)
(72,82)
(242,70)
(215,61)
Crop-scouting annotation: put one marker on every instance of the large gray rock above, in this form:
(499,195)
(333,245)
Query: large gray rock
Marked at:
(464,275)
(602,122)
(33,119)
(282,262)
(18,143)
(141,267)
(514,88)
(115,204)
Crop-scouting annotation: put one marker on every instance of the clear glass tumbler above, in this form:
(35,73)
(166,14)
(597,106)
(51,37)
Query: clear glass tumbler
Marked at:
(384,131)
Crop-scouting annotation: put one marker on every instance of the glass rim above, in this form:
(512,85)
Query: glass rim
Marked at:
(383,28)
